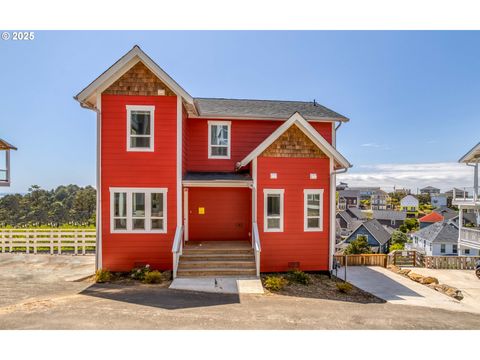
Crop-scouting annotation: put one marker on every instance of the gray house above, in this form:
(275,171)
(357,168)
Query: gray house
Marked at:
(430,190)
(377,236)
(346,222)
(438,239)
(389,218)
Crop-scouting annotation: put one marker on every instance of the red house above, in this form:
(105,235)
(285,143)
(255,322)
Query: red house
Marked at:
(210,186)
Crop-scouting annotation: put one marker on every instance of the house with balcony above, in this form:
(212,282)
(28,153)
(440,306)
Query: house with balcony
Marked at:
(348,199)
(210,186)
(410,205)
(468,202)
(5,170)
(379,200)
(430,190)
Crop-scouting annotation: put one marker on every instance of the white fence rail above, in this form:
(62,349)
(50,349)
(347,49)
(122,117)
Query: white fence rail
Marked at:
(53,241)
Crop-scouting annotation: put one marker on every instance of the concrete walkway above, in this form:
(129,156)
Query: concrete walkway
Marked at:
(221,285)
(400,290)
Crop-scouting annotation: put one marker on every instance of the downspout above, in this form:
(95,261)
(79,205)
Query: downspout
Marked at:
(98,224)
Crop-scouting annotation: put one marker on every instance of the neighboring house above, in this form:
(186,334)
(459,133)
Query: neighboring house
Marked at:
(448,214)
(430,190)
(173,170)
(348,199)
(438,200)
(347,223)
(430,219)
(379,200)
(342,186)
(5,169)
(439,239)
(410,205)
(390,218)
(365,192)
(468,204)
(357,214)
(377,236)
(457,193)
(402,191)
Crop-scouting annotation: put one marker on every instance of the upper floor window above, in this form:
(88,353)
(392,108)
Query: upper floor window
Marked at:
(219,139)
(140,126)
(273,210)
(136,210)
(313,204)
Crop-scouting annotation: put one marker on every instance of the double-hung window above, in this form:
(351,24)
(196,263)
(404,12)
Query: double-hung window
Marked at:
(273,210)
(140,127)
(219,139)
(137,210)
(313,209)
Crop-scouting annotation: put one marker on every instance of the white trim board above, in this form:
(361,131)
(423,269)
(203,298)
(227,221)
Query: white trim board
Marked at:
(267,192)
(125,63)
(151,110)
(228,124)
(309,130)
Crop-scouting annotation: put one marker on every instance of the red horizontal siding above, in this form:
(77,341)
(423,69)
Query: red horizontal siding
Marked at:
(246,136)
(120,168)
(310,249)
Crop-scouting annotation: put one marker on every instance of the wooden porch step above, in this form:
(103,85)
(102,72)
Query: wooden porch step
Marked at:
(222,264)
(217,257)
(213,251)
(197,272)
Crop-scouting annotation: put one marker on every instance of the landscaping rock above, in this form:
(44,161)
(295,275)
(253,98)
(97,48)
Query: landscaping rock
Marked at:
(428,280)
(448,290)
(404,271)
(414,276)
(393,268)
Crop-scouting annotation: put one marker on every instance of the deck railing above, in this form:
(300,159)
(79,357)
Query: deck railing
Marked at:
(177,248)
(48,241)
(470,237)
(257,248)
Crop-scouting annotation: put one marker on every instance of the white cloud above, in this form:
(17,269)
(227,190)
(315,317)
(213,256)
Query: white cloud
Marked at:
(412,176)
(374,145)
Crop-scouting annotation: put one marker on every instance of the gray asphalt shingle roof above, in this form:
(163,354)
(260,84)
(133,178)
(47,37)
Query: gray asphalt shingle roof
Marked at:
(357,213)
(218,107)
(440,232)
(389,215)
(377,231)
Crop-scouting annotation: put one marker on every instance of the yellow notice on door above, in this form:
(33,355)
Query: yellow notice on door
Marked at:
(201,211)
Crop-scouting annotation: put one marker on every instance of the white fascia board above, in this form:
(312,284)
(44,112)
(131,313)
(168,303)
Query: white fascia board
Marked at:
(308,130)
(123,65)
(470,156)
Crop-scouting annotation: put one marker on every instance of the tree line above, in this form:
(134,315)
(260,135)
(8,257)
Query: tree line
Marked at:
(69,205)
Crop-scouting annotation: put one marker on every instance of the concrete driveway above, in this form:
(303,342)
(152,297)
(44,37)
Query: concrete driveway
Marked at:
(35,293)
(399,290)
(464,280)
(24,277)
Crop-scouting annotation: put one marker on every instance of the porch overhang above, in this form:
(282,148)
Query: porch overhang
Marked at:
(217,179)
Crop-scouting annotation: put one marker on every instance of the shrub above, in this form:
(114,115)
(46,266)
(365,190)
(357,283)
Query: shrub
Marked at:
(275,283)
(396,246)
(344,287)
(139,273)
(299,277)
(358,246)
(153,277)
(103,276)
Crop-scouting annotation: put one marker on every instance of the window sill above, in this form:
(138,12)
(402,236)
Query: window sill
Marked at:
(219,157)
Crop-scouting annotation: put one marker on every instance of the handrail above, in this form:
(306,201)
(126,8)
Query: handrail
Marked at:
(257,248)
(177,248)
(177,241)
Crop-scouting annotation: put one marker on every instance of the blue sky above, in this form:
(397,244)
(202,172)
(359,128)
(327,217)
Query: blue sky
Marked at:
(412,97)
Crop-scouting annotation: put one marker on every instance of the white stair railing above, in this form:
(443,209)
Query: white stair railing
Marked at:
(177,248)
(256,247)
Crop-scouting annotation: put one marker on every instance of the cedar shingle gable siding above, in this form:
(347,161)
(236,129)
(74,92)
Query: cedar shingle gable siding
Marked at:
(139,80)
(293,143)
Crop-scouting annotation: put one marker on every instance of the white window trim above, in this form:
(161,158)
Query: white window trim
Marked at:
(365,235)
(267,192)
(148,196)
(151,109)
(229,125)
(307,192)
